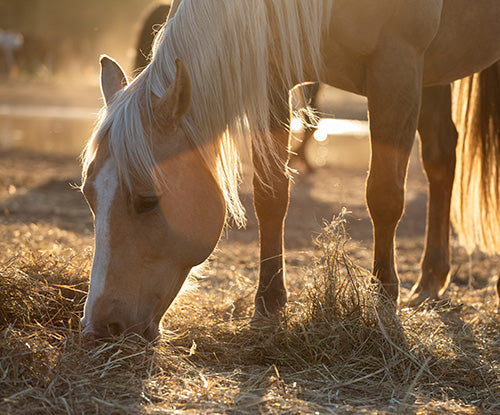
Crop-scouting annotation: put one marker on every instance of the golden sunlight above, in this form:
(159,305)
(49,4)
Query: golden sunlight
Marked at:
(330,126)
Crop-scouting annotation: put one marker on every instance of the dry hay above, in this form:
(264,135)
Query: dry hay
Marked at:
(338,349)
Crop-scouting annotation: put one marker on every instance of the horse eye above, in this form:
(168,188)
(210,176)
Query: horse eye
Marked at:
(144,204)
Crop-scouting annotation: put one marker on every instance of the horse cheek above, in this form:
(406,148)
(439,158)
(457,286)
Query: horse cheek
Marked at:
(194,209)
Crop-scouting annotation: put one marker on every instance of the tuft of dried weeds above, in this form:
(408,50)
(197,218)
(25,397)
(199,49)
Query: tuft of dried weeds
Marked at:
(340,347)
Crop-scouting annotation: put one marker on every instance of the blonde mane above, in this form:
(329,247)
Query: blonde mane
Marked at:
(232,50)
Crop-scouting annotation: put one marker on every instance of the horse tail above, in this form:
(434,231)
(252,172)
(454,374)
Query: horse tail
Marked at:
(476,189)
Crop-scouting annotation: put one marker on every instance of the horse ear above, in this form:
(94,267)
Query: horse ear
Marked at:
(176,101)
(113,78)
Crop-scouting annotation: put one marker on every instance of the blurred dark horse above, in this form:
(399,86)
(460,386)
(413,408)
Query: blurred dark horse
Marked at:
(307,97)
(152,23)
(10,43)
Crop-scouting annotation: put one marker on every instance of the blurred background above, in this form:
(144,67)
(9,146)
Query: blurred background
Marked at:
(66,37)
(49,67)
(49,76)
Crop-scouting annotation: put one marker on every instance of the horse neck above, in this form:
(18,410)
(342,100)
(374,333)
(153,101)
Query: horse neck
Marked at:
(236,61)
(240,67)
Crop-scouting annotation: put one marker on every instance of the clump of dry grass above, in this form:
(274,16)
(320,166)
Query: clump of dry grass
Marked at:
(42,290)
(339,347)
(44,366)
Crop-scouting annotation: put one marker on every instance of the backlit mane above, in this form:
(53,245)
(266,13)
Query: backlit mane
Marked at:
(230,49)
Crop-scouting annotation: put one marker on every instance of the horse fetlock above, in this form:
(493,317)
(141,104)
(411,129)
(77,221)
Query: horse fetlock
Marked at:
(435,277)
(391,291)
(389,281)
(431,285)
(419,295)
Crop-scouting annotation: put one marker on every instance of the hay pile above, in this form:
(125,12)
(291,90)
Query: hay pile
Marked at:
(339,348)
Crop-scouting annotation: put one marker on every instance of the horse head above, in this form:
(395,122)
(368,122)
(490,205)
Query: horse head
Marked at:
(148,233)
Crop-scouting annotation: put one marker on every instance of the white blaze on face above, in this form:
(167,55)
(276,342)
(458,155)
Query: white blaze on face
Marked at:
(105,185)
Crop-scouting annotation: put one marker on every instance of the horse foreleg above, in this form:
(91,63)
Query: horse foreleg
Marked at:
(271,204)
(438,137)
(394,88)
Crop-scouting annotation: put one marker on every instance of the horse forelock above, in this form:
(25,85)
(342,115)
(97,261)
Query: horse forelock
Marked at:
(121,127)
(230,51)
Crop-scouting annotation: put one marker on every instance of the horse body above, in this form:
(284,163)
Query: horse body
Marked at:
(242,66)
(453,52)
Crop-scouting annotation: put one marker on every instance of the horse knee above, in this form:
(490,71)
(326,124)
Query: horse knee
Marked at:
(385,200)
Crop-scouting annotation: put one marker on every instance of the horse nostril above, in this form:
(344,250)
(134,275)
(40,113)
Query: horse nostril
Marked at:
(151,333)
(115,329)
(89,336)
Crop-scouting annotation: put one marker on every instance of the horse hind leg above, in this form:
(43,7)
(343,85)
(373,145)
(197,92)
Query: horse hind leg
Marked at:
(438,137)
(385,199)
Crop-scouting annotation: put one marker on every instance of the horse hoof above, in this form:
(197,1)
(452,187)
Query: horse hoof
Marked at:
(263,322)
(263,314)
(419,296)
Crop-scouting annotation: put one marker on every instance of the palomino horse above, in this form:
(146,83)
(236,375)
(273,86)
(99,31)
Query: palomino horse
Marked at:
(161,171)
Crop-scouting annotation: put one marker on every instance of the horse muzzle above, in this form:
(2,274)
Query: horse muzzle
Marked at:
(111,330)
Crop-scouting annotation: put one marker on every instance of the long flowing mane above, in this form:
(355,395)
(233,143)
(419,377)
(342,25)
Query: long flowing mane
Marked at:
(232,50)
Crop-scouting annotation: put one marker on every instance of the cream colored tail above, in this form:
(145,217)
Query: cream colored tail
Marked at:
(476,189)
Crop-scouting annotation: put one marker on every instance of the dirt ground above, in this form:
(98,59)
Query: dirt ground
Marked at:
(41,209)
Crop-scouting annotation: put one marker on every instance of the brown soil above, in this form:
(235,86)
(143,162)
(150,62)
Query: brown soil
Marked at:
(40,210)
